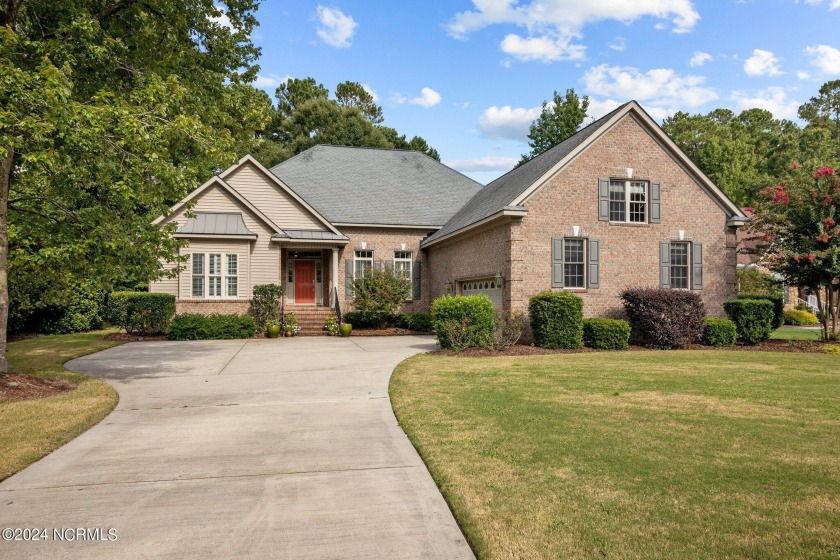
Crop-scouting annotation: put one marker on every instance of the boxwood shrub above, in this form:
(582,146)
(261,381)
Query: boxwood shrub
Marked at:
(606,334)
(194,326)
(719,332)
(753,318)
(141,312)
(799,317)
(778,306)
(463,321)
(416,321)
(368,319)
(662,318)
(556,319)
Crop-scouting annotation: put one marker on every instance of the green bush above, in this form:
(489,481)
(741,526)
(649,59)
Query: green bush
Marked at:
(463,321)
(381,292)
(719,332)
(141,312)
(368,319)
(265,304)
(753,318)
(194,326)
(606,334)
(778,306)
(416,321)
(82,311)
(556,319)
(800,318)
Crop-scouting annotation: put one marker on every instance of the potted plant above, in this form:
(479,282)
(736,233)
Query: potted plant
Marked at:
(345,329)
(331,324)
(272,328)
(290,324)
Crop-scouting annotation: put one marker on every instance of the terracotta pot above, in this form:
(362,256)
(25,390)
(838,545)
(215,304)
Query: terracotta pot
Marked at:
(345,329)
(272,331)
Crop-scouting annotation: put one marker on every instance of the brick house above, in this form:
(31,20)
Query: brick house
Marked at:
(616,205)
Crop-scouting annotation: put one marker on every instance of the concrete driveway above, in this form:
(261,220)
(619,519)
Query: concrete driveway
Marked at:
(239,449)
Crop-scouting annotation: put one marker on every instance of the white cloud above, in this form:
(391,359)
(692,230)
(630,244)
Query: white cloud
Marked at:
(371,91)
(544,49)
(598,109)
(507,122)
(619,43)
(700,58)
(486,163)
(222,19)
(336,28)
(824,57)
(762,63)
(662,90)
(773,99)
(427,98)
(802,75)
(270,81)
(553,25)
(832,4)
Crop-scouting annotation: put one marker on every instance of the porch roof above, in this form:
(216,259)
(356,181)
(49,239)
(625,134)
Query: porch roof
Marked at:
(216,224)
(311,236)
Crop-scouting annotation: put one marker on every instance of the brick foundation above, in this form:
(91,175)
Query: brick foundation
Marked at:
(207,307)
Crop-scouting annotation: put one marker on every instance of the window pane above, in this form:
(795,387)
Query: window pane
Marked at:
(233,265)
(198,286)
(638,202)
(617,201)
(232,286)
(679,265)
(198,264)
(573,263)
(214,286)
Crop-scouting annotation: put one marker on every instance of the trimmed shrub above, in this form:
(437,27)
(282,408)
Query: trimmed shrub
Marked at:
(83,311)
(141,312)
(778,306)
(381,292)
(463,321)
(265,304)
(368,319)
(606,334)
(719,332)
(662,318)
(416,321)
(798,318)
(194,326)
(557,320)
(753,318)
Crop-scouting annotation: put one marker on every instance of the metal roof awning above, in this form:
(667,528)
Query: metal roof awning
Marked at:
(216,224)
(309,236)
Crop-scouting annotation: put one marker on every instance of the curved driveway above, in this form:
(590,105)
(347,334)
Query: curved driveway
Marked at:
(240,449)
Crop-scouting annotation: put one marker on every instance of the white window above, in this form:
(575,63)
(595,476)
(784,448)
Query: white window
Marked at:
(215,275)
(628,201)
(402,264)
(362,263)
(680,269)
(574,263)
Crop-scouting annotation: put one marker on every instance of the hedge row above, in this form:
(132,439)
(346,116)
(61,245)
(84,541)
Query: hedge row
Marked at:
(606,334)
(141,312)
(194,326)
(415,321)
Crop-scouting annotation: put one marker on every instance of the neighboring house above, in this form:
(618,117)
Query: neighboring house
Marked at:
(616,205)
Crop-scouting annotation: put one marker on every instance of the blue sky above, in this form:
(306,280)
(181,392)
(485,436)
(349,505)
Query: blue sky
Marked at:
(470,76)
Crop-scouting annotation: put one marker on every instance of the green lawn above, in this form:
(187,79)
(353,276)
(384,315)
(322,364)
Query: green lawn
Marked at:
(638,454)
(30,429)
(796,333)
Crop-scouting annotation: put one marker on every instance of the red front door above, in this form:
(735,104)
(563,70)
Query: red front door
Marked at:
(304,281)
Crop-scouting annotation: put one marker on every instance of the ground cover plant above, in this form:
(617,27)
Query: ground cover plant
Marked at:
(30,429)
(642,454)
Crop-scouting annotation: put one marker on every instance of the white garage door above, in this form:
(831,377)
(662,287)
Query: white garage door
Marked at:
(486,286)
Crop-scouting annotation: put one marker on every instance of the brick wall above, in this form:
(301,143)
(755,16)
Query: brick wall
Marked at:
(629,252)
(206,307)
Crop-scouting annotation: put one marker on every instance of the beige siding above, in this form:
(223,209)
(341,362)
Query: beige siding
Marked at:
(165,285)
(272,201)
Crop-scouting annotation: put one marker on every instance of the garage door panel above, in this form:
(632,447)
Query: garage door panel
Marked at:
(486,286)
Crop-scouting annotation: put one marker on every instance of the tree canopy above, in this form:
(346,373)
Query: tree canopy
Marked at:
(306,115)
(557,121)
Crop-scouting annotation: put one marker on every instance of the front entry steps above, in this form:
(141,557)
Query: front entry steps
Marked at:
(311,318)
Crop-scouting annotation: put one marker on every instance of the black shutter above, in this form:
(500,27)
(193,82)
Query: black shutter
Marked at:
(604,200)
(664,264)
(377,265)
(697,272)
(655,203)
(556,262)
(416,280)
(594,280)
(389,265)
(348,279)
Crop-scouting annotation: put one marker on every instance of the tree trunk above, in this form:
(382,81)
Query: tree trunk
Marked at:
(6,166)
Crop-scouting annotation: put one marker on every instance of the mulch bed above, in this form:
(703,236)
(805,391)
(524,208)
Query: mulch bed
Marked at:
(125,337)
(384,332)
(17,387)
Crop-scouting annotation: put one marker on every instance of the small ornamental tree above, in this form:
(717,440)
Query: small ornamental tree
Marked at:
(796,224)
(380,292)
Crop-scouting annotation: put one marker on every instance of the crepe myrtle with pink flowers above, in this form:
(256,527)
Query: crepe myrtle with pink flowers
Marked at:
(796,223)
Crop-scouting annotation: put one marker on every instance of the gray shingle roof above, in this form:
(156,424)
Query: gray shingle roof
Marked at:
(311,235)
(215,223)
(499,194)
(376,186)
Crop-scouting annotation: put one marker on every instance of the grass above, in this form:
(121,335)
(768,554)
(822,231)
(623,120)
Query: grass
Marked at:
(796,333)
(643,454)
(30,429)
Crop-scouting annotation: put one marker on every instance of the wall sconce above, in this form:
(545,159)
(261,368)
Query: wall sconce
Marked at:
(575,231)
(364,245)
(681,233)
(500,282)
(629,172)
(402,246)
(449,286)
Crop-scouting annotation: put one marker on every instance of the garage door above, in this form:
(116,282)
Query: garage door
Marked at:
(486,286)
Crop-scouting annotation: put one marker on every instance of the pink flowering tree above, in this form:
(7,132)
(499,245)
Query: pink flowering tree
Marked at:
(796,224)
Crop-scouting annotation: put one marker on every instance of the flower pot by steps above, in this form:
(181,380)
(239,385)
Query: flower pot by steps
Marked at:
(272,331)
(345,329)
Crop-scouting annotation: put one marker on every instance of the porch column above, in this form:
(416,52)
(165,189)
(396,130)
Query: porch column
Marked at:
(334,274)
